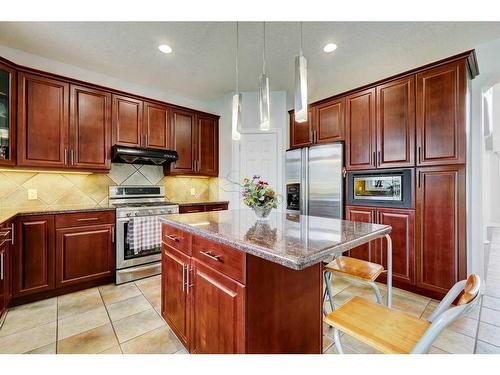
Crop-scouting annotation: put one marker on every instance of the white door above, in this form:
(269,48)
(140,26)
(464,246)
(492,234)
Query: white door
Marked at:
(259,156)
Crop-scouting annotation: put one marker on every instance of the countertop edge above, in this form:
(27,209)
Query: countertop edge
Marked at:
(206,203)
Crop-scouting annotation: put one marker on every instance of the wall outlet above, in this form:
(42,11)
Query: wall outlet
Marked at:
(32,194)
(192,191)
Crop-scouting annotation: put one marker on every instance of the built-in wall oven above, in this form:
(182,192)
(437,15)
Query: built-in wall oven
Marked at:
(390,188)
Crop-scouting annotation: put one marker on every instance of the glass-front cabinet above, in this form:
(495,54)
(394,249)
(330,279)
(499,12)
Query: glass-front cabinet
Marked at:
(7,115)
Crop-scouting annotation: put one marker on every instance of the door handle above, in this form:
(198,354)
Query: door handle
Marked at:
(211,256)
(88,219)
(374,158)
(65,156)
(173,238)
(183,277)
(379,158)
(113,234)
(12,234)
(419,154)
(1,266)
(418,179)
(72,154)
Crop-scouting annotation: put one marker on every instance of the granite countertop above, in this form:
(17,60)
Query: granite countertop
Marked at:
(193,203)
(294,241)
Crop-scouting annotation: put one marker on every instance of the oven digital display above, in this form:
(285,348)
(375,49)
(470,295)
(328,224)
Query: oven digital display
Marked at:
(380,188)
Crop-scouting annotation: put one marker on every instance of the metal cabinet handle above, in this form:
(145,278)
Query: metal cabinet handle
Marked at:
(315,136)
(183,278)
(1,266)
(379,158)
(173,238)
(12,234)
(189,284)
(192,211)
(216,209)
(65,156)
(418,178)
(113,234)
(72,156)
(374,158)
(211,256)
(88,219)
(419,154)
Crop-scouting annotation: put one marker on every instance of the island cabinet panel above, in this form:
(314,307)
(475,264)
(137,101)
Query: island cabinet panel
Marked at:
(366,215)
(184,142)
(441,228)
(90,128)
(301,132)
(360,130)
(218,312)
(43,122)
(396,123)
(441,114)
(157,131)
(330,118)
(127,121)
(34,255)
(175,303)
(84,254)
(208,146)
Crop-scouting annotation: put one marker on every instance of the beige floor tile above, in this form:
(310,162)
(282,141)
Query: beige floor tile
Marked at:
(47,349)
(131,306)
(153,295)
(490,316)
(409,303)
(182,351)
(138,324)
(355,290)
(431,306)
(28,316)
(75,324)
(347,350)
(455,343)
(89,342)
(114,350)
(465,325)
(327,343)
(434,350)
(356,345)
(149,282)
(474,312)
(489,333)
(485,348)
(115,293)
(339,284)
(78,303)
(25,341)
(491,303)
(157,341)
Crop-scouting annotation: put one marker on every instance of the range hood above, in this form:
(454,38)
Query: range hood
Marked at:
(137,155)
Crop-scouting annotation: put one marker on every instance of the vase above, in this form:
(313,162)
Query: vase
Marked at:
(262,213)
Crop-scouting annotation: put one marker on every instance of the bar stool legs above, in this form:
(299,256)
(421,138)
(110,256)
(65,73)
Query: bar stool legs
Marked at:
(327,276)
(378,295)
(336,339)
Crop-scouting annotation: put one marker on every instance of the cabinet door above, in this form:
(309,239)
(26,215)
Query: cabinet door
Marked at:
(184,141)
(43,122)
(301,132)
(396,123)
(208,146)
(441,114)
(403,243)
(174,291)
(3,278)
(34,255)
(330,121)
(218,312)
(441,257)
(127,121)
(157,126)
(84,254)
(90,128)
(360,130)
(8,115)
(365,215)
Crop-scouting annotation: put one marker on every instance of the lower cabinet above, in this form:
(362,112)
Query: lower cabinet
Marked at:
(5,240)
(366,215)
(192,208)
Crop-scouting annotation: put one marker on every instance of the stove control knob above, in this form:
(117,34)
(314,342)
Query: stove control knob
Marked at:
(136,213)
(129,214)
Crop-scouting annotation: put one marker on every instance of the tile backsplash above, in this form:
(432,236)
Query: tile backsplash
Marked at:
(60,188)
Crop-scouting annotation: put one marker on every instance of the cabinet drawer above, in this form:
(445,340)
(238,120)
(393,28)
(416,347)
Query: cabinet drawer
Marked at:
(176,238)
(191,208)
(85,218)
(230,262)
(216,207)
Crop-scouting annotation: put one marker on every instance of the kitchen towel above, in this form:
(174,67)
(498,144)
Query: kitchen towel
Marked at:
(144,234)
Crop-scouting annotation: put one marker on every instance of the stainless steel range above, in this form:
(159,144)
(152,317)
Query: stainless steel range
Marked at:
(134,202)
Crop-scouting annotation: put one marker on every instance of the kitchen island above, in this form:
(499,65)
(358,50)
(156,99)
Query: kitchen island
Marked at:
(233,284)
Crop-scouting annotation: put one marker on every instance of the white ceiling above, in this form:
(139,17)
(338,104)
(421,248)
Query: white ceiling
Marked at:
(202,64)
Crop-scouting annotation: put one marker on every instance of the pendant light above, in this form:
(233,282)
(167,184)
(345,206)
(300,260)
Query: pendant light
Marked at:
(300,85)
(264,106)
(236,112)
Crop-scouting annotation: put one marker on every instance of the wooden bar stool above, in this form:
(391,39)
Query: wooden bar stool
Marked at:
(391,331)
(357,270)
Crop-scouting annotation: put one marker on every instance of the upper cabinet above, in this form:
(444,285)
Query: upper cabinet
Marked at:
(396,123)
(184,142)
(330,121)
(208,146)
(127,121)
(90,128)
(441,114)
(7,115)
(43,121)
(301,133)
(360,130)
(156,126)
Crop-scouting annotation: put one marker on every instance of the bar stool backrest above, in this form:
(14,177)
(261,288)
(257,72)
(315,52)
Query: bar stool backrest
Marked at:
(445,313)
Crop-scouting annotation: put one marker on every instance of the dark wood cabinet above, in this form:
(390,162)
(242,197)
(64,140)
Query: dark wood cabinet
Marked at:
(218,312)
(175,303)
(5,246)
(441,228)
(84,254)
(441,111)
(156,125)
(208,146)
(184,142)
(34,255)
(200,207)
(396,123)
(301,132)
(360,130)
(127,121)
(43,122)
(366,215)
(90,128)
(8,143)
(330,121)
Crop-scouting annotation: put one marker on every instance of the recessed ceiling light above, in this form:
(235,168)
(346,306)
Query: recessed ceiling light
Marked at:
(165,48)
(330,47)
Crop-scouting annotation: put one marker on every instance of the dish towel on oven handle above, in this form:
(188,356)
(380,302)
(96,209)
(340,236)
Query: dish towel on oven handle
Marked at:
(144,234)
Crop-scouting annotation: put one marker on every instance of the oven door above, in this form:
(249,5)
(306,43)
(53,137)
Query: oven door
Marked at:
(125,257)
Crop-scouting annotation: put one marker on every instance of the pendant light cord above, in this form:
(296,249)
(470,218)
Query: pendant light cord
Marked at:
(237,74)
(301,39)
(264,49)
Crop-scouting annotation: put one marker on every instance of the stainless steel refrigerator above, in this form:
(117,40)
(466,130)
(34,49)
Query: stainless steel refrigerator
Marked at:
(314,181)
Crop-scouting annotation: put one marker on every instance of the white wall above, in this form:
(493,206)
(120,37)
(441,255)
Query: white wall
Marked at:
(71,71)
